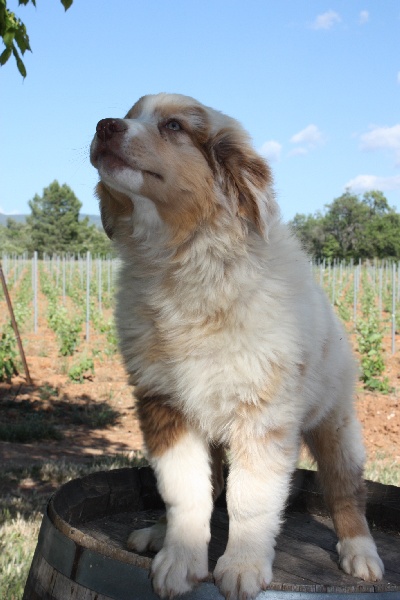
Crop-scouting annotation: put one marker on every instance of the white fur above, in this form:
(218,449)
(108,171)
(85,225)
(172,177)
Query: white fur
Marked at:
(125,179)
(358,557)
(273,306)
(183,476)
(135,128)
(145,219)
(149,538)
(255,497)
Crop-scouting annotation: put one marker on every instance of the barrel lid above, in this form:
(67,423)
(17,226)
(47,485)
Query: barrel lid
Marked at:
(77,538)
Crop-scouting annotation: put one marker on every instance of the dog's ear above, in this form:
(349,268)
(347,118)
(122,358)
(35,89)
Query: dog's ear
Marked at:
(113,206)
(248,177)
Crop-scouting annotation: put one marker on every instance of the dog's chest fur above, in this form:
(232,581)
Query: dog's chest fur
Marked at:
(210,328)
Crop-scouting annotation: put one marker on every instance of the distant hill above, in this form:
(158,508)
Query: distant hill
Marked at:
(18,218)
(93,219)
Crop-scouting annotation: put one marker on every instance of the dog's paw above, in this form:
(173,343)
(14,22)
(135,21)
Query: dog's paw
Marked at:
(358,557)
(149,538)
(176,569)
(239,578)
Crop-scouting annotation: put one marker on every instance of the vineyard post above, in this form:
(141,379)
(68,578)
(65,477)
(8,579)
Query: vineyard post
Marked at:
(57,268)
(109,278)
(380,289)
(393,307)
(333,284)
(87,295)
(398,282)
(99,282)
(355,278)
(35,292)
(71,269)
(80,269)
(15,326)
(386,274)
(5,259)
(63,277)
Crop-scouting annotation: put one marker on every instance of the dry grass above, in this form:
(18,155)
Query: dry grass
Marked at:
(23,496)
(380,467)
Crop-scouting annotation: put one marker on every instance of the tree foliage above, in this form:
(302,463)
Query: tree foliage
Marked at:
(14,237)
(14,35)
(351,228)
(54,219)
(54,227)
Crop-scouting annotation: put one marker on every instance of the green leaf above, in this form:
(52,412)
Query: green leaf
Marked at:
(66,3)
(22,40)
(375,337)
(8,37)
(4,56)
(20,64)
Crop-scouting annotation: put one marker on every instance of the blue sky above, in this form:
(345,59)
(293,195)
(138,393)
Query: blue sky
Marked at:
(316,84)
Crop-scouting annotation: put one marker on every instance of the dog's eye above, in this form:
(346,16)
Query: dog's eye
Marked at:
(174,125)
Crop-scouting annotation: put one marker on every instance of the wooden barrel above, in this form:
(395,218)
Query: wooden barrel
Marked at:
(81,552)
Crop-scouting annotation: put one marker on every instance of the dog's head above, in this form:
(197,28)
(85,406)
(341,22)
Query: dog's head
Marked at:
(191,161)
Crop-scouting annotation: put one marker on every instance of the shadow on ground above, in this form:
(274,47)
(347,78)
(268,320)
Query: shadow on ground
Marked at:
(38,423)
(47,438)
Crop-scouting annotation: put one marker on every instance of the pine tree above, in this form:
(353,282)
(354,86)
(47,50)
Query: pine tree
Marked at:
(54,220)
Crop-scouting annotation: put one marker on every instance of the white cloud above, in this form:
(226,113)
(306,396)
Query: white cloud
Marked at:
(364,17)
(383,138)
(306,140)
(363,183)
(326,20)
(271,150)
(310,135)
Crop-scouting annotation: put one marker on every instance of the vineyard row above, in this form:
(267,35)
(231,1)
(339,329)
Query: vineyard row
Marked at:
(77,293)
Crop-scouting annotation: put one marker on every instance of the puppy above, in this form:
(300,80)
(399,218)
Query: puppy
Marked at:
(228,343)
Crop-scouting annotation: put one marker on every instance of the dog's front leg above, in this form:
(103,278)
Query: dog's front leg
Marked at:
(184,481)
(180,458)
(258,486)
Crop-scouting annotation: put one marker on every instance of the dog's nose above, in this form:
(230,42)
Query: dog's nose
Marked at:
(106,128)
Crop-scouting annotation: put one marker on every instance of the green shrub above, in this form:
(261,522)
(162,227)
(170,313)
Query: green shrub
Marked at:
(369,338)
(343,311)
(8,354)
(81,370)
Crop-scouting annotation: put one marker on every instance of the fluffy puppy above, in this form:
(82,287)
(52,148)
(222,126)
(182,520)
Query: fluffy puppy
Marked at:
(228,342)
